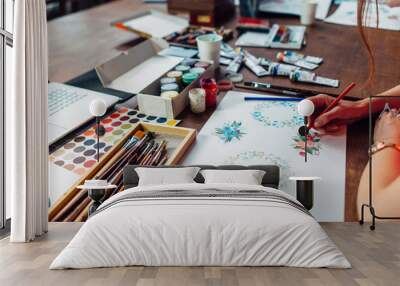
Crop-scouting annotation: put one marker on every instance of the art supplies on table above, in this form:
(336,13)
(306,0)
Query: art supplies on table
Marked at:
(175,30)
(279,36)
(266,132)
(204,12)
(68,108)
(233,77)
(252,98)
(77,156)
(346,14)
(179,52)
(246,24)
(277,69)
(227,51)
(309,77)
(293,7)
(141,70)
(300,60)
(145,144)
(253,64)
(197,98)
(237,63)
(211,88)
(285,90)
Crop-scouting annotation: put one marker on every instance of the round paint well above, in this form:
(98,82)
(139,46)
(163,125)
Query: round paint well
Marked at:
(126,126)
(69,145)
(79,160)
(79,139)
(89,163)
(89,142)
(117,132)
(162,120)
(116,123)
(89,152)
(79,149)
(134,120)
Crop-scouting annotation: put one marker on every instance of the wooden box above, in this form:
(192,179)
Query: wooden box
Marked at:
(139,70)
(74,204)
(204,12)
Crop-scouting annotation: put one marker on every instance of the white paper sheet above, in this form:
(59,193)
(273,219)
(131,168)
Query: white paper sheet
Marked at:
(346,14)
(157,24)
(262,132)
(293,7)
(144,74)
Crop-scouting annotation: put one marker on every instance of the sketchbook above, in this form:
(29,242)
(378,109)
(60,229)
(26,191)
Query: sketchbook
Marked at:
(266,132)
(346,14)
(293,7)
(292,38)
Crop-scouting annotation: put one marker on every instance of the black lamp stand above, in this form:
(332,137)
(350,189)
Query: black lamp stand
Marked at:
(100,131)
(370,201)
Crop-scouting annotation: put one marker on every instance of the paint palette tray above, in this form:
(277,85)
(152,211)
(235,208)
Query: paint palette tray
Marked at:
(79,154)
(179,140)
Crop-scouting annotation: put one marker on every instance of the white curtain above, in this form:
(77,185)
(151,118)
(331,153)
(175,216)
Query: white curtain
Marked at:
(26,124)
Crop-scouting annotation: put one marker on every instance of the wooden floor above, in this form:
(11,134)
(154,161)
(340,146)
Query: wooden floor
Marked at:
(375,257)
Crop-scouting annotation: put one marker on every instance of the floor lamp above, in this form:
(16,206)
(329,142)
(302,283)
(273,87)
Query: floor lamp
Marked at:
(370,198)
(98,108)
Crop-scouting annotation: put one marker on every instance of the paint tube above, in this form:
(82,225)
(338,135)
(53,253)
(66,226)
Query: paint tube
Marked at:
(302,63)
(309,77)
(281,69)
(227,51)
(298,56)
(236,64)
(253,63)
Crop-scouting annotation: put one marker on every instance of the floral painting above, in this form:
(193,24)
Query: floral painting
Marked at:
(262,113)
(313,144)
(230,131)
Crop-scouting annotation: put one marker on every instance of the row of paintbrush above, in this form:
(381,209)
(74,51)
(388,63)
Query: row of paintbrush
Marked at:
(140,149)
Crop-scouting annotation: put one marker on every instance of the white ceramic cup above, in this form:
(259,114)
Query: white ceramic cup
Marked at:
(197,98)
(209,47)
(308,12)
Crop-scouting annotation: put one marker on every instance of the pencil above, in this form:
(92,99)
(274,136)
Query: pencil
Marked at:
(254,98)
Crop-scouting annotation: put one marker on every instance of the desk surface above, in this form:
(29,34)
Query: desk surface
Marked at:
(81,41)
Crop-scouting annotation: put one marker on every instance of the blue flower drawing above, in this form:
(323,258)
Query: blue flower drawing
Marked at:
(262,114)
(230,131)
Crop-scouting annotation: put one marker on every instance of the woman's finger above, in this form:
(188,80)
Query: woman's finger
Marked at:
(327,117)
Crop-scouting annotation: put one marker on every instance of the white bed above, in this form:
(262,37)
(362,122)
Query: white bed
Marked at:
(225,225)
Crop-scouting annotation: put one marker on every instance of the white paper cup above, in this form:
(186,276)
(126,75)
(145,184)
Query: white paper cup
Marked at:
(197,98)
(209,47)
(309,10)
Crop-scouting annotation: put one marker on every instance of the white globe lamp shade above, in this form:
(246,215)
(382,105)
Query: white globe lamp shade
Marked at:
(305,107)
(97,107)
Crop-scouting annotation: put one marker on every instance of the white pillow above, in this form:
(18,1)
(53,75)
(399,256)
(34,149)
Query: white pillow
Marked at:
(166,176)
(247,177)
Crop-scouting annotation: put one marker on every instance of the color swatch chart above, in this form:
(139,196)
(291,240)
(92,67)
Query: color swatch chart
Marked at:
(80,154)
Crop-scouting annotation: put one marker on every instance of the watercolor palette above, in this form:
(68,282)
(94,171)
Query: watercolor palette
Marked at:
(80,153)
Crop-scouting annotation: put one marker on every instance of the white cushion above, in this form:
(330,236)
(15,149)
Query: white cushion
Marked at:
(166,176)
(247,177)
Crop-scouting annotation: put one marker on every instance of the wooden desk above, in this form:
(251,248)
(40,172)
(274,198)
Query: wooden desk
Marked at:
(81,41)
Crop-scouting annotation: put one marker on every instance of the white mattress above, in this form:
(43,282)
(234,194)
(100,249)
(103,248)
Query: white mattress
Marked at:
(191,231)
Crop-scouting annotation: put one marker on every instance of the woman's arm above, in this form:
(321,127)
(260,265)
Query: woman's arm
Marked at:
(385,183)
(346,111)
(385,168)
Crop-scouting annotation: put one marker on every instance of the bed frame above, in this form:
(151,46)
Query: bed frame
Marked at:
(271,177)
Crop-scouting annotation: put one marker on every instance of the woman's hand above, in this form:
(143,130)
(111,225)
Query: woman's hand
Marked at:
(346,112)
(387,127)
(393,3)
